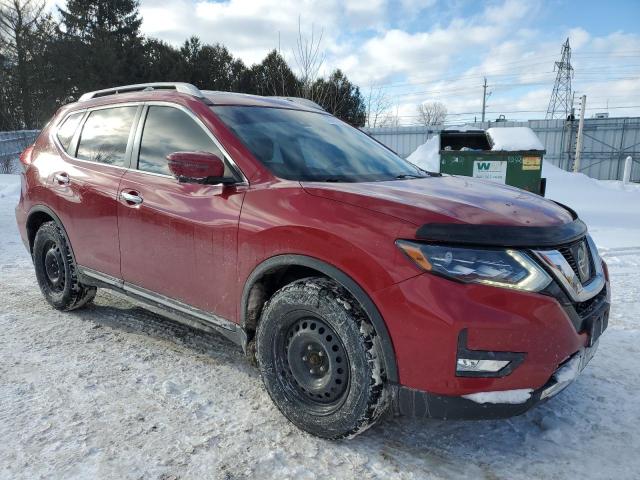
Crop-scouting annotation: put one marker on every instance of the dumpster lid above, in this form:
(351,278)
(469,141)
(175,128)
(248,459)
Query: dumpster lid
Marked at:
(512,139)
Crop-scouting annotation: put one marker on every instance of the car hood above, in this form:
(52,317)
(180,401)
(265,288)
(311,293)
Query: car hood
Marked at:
(447,199)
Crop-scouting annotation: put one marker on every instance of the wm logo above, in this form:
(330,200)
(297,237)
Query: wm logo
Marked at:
(484,166)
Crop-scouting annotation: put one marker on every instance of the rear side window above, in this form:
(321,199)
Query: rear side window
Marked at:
(105,134)
(68,129)
(168,130)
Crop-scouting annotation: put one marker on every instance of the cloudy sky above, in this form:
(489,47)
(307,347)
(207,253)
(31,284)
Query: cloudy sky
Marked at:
(435,50)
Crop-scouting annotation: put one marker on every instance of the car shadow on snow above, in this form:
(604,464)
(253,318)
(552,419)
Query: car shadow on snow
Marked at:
(118,313)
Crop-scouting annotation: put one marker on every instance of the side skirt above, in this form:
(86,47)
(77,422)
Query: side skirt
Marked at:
(165,306)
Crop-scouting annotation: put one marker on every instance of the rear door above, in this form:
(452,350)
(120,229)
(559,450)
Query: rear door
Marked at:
(178,239)
(96,147)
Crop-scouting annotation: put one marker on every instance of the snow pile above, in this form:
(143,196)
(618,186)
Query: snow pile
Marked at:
(512,139)
(464,128)
(506,396)
(9,186)
(427,155)
(610,209)
(569,371)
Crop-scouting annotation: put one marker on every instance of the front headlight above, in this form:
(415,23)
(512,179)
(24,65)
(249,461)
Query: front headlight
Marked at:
(499,268)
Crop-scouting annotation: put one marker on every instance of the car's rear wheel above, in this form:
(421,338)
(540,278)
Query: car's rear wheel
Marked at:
(320,359)
(56,270)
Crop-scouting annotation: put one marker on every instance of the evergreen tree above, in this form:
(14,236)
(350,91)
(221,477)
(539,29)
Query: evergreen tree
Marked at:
(211,67)
(97,44)
(105,38)
(338,96)
(272,76)
(163,63)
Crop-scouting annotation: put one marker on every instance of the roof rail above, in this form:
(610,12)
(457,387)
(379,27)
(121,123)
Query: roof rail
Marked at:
(302,101)
(142,87)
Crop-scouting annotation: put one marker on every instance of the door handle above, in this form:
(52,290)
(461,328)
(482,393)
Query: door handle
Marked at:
(62,178)
(131,198)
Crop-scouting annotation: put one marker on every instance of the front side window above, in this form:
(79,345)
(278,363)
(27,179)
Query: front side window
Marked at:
(105,134)
(168,130)
(68,129)
(299,145)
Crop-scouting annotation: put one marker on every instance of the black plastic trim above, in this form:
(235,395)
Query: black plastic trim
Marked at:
(502,235)
(340,277)
(514,358)
(600,303)
(419,404)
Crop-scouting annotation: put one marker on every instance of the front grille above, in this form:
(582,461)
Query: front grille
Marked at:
(568,255)
(567,252)
(584,309)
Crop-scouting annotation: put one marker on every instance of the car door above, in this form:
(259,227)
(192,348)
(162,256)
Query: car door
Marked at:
(95,154)
(177,239)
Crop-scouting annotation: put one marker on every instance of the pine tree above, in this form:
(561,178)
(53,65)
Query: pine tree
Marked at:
(105,38)
(341,98)
(273,76)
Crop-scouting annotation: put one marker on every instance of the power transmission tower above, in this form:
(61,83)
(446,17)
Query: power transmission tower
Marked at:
(561,100)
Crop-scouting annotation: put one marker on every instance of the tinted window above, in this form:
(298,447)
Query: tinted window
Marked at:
(104,135)
(168,130)
(68,129)
(299,145)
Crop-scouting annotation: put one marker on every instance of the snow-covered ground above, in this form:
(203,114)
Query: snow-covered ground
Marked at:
(113,391)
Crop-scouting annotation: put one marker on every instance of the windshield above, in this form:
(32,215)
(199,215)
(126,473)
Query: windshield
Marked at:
(298,145)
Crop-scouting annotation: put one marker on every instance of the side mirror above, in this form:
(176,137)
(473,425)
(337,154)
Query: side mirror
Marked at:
(196,167)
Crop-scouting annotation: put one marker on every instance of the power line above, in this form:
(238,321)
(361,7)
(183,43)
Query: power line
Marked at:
(522,111)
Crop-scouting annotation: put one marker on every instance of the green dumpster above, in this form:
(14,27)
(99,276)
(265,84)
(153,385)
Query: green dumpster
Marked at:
(509,155)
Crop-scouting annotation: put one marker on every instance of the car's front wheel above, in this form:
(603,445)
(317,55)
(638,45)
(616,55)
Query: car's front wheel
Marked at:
(320,359)
(56,270)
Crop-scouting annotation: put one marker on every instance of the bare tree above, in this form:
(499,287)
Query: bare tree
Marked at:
(309,58)
(389,119)
(18,21)
(378,105)
(431,113)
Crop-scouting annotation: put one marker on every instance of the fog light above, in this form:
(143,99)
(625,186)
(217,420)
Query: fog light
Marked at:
(471,365)
(484,363)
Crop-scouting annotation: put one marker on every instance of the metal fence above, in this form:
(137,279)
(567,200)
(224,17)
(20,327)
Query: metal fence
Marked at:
(606,143)
(11,145)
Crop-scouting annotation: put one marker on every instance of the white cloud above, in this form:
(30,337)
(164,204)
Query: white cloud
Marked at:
(578,37)
(444,61)
(250,29)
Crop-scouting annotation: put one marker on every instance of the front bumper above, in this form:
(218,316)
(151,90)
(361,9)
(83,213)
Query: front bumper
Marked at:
(416,403)
(426,314)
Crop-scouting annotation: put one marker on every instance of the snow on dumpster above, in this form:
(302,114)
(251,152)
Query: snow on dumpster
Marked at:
(513,139)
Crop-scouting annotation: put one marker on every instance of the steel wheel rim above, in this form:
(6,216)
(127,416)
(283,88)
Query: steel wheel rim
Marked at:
(53,265)
(313,363)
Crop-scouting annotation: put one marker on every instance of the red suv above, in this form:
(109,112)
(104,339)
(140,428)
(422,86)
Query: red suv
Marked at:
(359,283)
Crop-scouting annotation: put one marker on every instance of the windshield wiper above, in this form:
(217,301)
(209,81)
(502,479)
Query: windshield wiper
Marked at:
(408,175)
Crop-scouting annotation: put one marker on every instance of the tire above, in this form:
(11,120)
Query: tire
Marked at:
(56,270)
(321,360)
